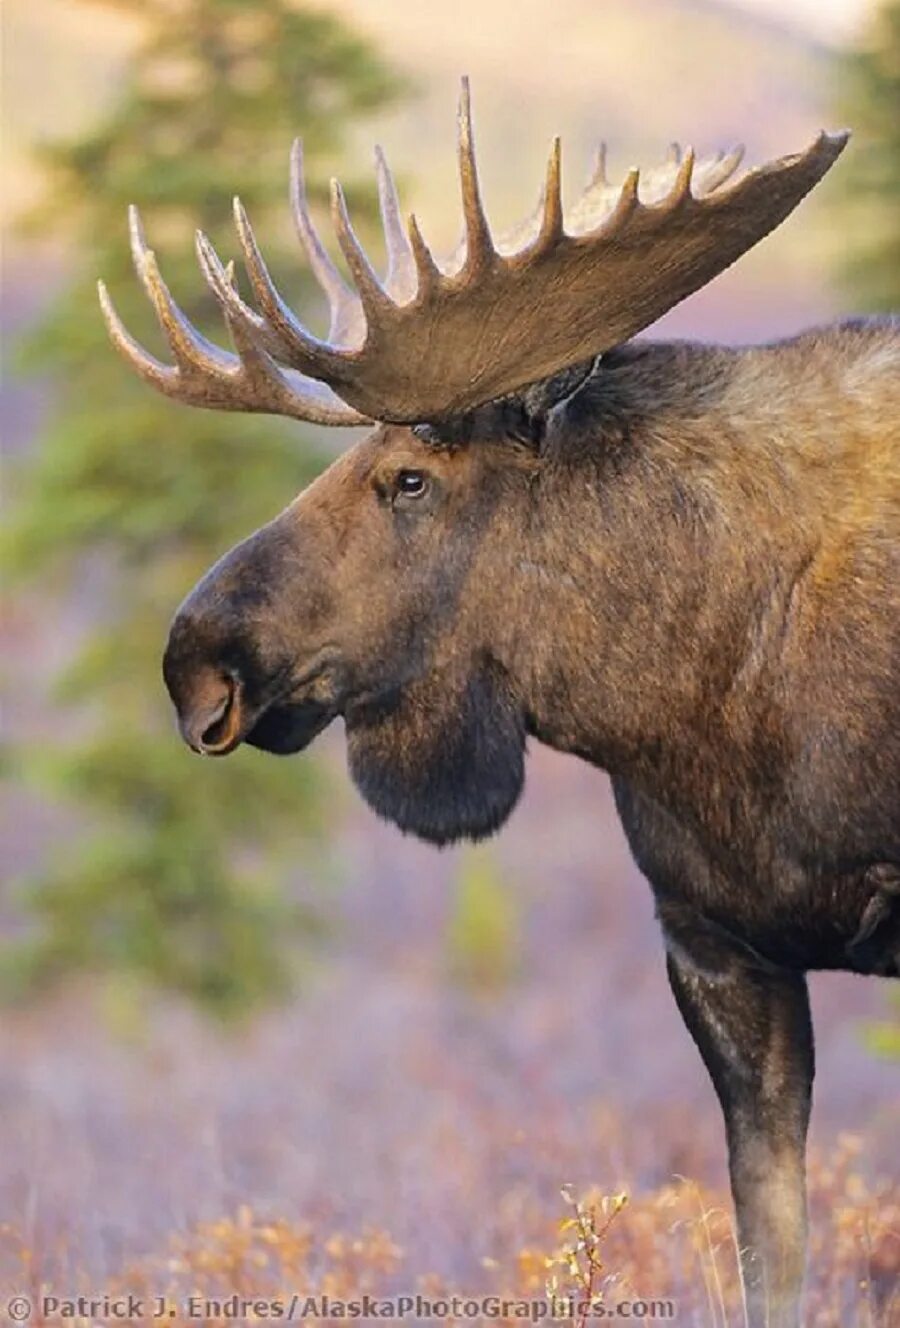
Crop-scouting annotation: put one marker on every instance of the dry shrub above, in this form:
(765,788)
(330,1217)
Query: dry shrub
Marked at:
(673,1243)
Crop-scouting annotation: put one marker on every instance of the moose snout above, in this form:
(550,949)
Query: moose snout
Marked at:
(210,711)
(225,658)
(207,690)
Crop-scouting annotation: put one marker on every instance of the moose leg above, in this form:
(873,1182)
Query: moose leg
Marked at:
(752,1026)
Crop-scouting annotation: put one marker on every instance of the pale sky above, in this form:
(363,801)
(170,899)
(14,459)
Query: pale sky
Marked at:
(56,31)
(833,20)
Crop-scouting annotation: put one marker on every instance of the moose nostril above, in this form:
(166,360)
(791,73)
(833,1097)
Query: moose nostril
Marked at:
(220,727)
(210,720)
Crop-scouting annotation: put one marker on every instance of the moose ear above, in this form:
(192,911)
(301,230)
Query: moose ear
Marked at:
(445,758)
(520,417)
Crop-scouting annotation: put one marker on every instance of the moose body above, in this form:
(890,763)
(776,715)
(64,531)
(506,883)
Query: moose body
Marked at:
(680,563)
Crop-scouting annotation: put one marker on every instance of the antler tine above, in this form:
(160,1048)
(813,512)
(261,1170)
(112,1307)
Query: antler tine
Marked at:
(710,175)
(191,349)
(300,349)
(428,274)
(137,240)
(347,325)
(220,280)
(597,174)
(479,246)
(376,302)
(179,336)
(400,279)
(626,203)
(161,376)
(552,214)
(681,189)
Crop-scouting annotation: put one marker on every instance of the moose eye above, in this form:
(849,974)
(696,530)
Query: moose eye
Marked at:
(411,484)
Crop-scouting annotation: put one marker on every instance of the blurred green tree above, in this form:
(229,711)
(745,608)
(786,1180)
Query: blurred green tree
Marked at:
(869,94)
(483,932)
(869,97)
(176,882)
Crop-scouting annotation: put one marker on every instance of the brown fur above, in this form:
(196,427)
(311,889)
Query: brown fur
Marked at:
(687,571)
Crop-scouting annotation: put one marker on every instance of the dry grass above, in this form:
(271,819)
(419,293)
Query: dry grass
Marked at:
(673,1243)
(396,1130)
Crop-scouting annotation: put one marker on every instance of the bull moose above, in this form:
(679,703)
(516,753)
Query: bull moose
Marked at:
(679,562)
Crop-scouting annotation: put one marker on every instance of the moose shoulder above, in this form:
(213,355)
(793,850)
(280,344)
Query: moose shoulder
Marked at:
(681,563)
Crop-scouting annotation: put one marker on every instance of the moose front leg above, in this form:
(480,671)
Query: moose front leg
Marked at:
(752,1026)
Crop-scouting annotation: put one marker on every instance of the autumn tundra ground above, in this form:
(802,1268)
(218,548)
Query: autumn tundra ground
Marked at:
(409,1121)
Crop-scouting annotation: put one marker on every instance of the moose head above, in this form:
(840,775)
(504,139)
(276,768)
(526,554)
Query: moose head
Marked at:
(394,590)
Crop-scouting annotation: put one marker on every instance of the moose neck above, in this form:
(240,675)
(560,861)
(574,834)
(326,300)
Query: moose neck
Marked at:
(671,493)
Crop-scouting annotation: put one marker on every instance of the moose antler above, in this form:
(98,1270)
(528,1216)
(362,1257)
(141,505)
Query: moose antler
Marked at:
(433,340)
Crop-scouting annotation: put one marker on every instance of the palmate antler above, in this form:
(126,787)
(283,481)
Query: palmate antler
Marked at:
(433,340)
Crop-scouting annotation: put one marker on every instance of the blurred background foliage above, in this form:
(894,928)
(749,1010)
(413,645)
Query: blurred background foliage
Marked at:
(134,496)
(180,880)
(869,94)
(869,98)
(483,930)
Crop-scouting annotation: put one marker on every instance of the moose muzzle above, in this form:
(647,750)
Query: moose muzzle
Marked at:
(209,711)
(243,662)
